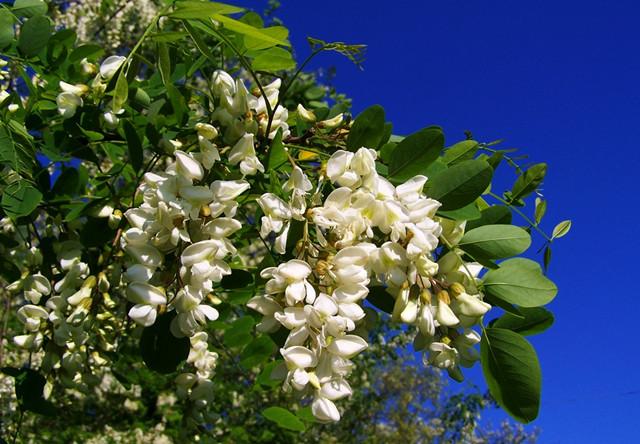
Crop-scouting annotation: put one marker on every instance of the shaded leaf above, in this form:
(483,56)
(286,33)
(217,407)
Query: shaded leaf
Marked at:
(460,184)
(367,129)
(511,369)
(415,153)
(284,418)
(535,320)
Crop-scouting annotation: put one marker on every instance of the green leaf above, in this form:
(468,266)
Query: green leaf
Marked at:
(199,9)
(460,184)
(20,199)
(541,209)
(535,320)
(237,279)
(29,387)
(256,34)
(547,257)
(34,35)
(468,212)
(86,52)
(415,153)
(495,241)
(272,60)
(277,154)
(29,8)
(68,183)
(277,32)
(367,130)
(496,214)
(460,151)
(258,351)
(561,229)
(7,33)
(134,145)
(284,418)
(239,334)
(161,351)
(379,298)
(121,91)
(520,281)
(164,63)
(511,369)
(528,181)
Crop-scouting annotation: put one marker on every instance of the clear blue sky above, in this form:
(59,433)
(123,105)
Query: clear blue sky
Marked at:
(559,80)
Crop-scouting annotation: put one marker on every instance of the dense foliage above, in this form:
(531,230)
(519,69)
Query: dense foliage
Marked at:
(198,220)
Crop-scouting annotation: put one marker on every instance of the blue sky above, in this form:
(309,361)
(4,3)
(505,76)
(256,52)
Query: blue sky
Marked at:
(559,81)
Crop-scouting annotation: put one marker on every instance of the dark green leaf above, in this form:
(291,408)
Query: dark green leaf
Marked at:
(379,298)
(134,145)
(237,279)
(258,351)
(29,387)
(495,241)
(367,130)
(496,214)
(511,369)
(34,35)
(520,281)
(460,185)
(86,52)
(20,199)
(68,183)
(161,351)
(536,320)
(7,32)
(528,181)
(415,153)
(239,334)
(468,212)
(284,418)
(29,8)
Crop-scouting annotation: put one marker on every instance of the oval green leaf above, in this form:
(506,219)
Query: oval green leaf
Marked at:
(561,229)
(284,418)
(460,185)
(496,214)
(415,153)
(495,241)
(34,35)
(532,321)
(20,199)
(273,59)
(367,129)
(520,281)
(512,371)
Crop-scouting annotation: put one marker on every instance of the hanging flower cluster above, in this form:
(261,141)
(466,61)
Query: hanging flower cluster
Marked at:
(193,184)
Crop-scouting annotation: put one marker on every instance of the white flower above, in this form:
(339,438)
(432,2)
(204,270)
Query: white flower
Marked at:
(299,357)
(305,114)
(68,103)
(325,410)
(244,153)
(187,166)
(347,346)
(110,66)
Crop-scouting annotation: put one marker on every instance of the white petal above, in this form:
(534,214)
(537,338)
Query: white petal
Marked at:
(347,346)
(325,410)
